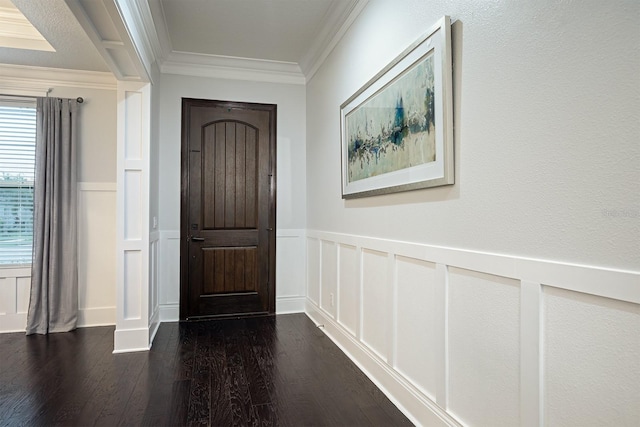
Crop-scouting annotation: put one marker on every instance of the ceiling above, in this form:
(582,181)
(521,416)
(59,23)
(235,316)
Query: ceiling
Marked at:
(277,35)
(54,20)
(280,30)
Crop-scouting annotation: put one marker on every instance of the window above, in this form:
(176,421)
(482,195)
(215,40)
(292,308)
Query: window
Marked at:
(17,162)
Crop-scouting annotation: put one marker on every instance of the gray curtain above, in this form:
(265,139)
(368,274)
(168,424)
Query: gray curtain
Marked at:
(53,306)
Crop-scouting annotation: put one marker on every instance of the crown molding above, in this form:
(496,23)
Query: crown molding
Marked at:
(336,25)
(228,67)
(138,24)
(216,66)
(155,39)
(143,10)
(164,47)
(27,78)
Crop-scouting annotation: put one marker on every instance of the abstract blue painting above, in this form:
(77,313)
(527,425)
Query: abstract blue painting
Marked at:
(395,128)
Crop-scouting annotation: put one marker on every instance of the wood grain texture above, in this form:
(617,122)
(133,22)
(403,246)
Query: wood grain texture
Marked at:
(228,175)
(227,250)
(228,270)
(271,371)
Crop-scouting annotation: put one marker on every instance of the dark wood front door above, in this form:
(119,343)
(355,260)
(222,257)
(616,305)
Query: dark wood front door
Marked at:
(227,227)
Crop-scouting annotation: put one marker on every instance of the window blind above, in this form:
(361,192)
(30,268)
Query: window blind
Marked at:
(17,164)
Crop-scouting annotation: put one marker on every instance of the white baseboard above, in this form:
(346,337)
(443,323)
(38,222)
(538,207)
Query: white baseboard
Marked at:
(169,312)
(103,316)
(286,305)
(130,340)
(410,401)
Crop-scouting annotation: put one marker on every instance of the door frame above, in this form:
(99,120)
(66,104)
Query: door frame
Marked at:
(187,103)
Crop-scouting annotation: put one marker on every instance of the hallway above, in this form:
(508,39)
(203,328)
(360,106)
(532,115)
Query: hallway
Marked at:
(258,371)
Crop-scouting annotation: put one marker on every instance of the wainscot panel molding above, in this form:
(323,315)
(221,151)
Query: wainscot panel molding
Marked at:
(96,265)
(96,253)
(290,273)
(290,270)
(154,291)
(169,275)
(458,337)
(14,298)
(133,309)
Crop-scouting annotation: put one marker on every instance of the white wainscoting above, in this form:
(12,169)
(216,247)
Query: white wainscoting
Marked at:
(169,275)
(96,265)
(154,291)
(133,314)
(96,253)
(458,337)
(290,273)
(14,298)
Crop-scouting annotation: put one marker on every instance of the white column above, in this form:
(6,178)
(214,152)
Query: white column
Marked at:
(132,240)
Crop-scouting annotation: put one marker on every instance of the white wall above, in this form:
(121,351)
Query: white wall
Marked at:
(546,101)
(96,217)
(547,96)
(97,115)
(291,181)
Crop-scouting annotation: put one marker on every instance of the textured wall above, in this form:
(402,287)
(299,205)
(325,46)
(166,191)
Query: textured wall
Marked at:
(460,325)
(546,105)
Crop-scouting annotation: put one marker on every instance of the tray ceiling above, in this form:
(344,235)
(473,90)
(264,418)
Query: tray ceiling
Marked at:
(198,37)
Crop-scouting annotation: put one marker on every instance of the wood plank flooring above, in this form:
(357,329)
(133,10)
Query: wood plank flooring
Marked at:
(278,370)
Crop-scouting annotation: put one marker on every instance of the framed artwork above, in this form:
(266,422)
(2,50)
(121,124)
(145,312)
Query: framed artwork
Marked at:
(397,130)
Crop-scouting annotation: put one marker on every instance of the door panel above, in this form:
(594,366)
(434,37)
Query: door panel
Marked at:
(230,154)
(228,209)
(229,270)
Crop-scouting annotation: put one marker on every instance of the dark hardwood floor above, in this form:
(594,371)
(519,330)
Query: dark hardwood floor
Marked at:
(258,371)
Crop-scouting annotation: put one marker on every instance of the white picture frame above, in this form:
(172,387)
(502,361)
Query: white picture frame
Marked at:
(397,129)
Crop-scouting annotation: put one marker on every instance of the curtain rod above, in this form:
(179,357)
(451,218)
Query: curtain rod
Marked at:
(79,99)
